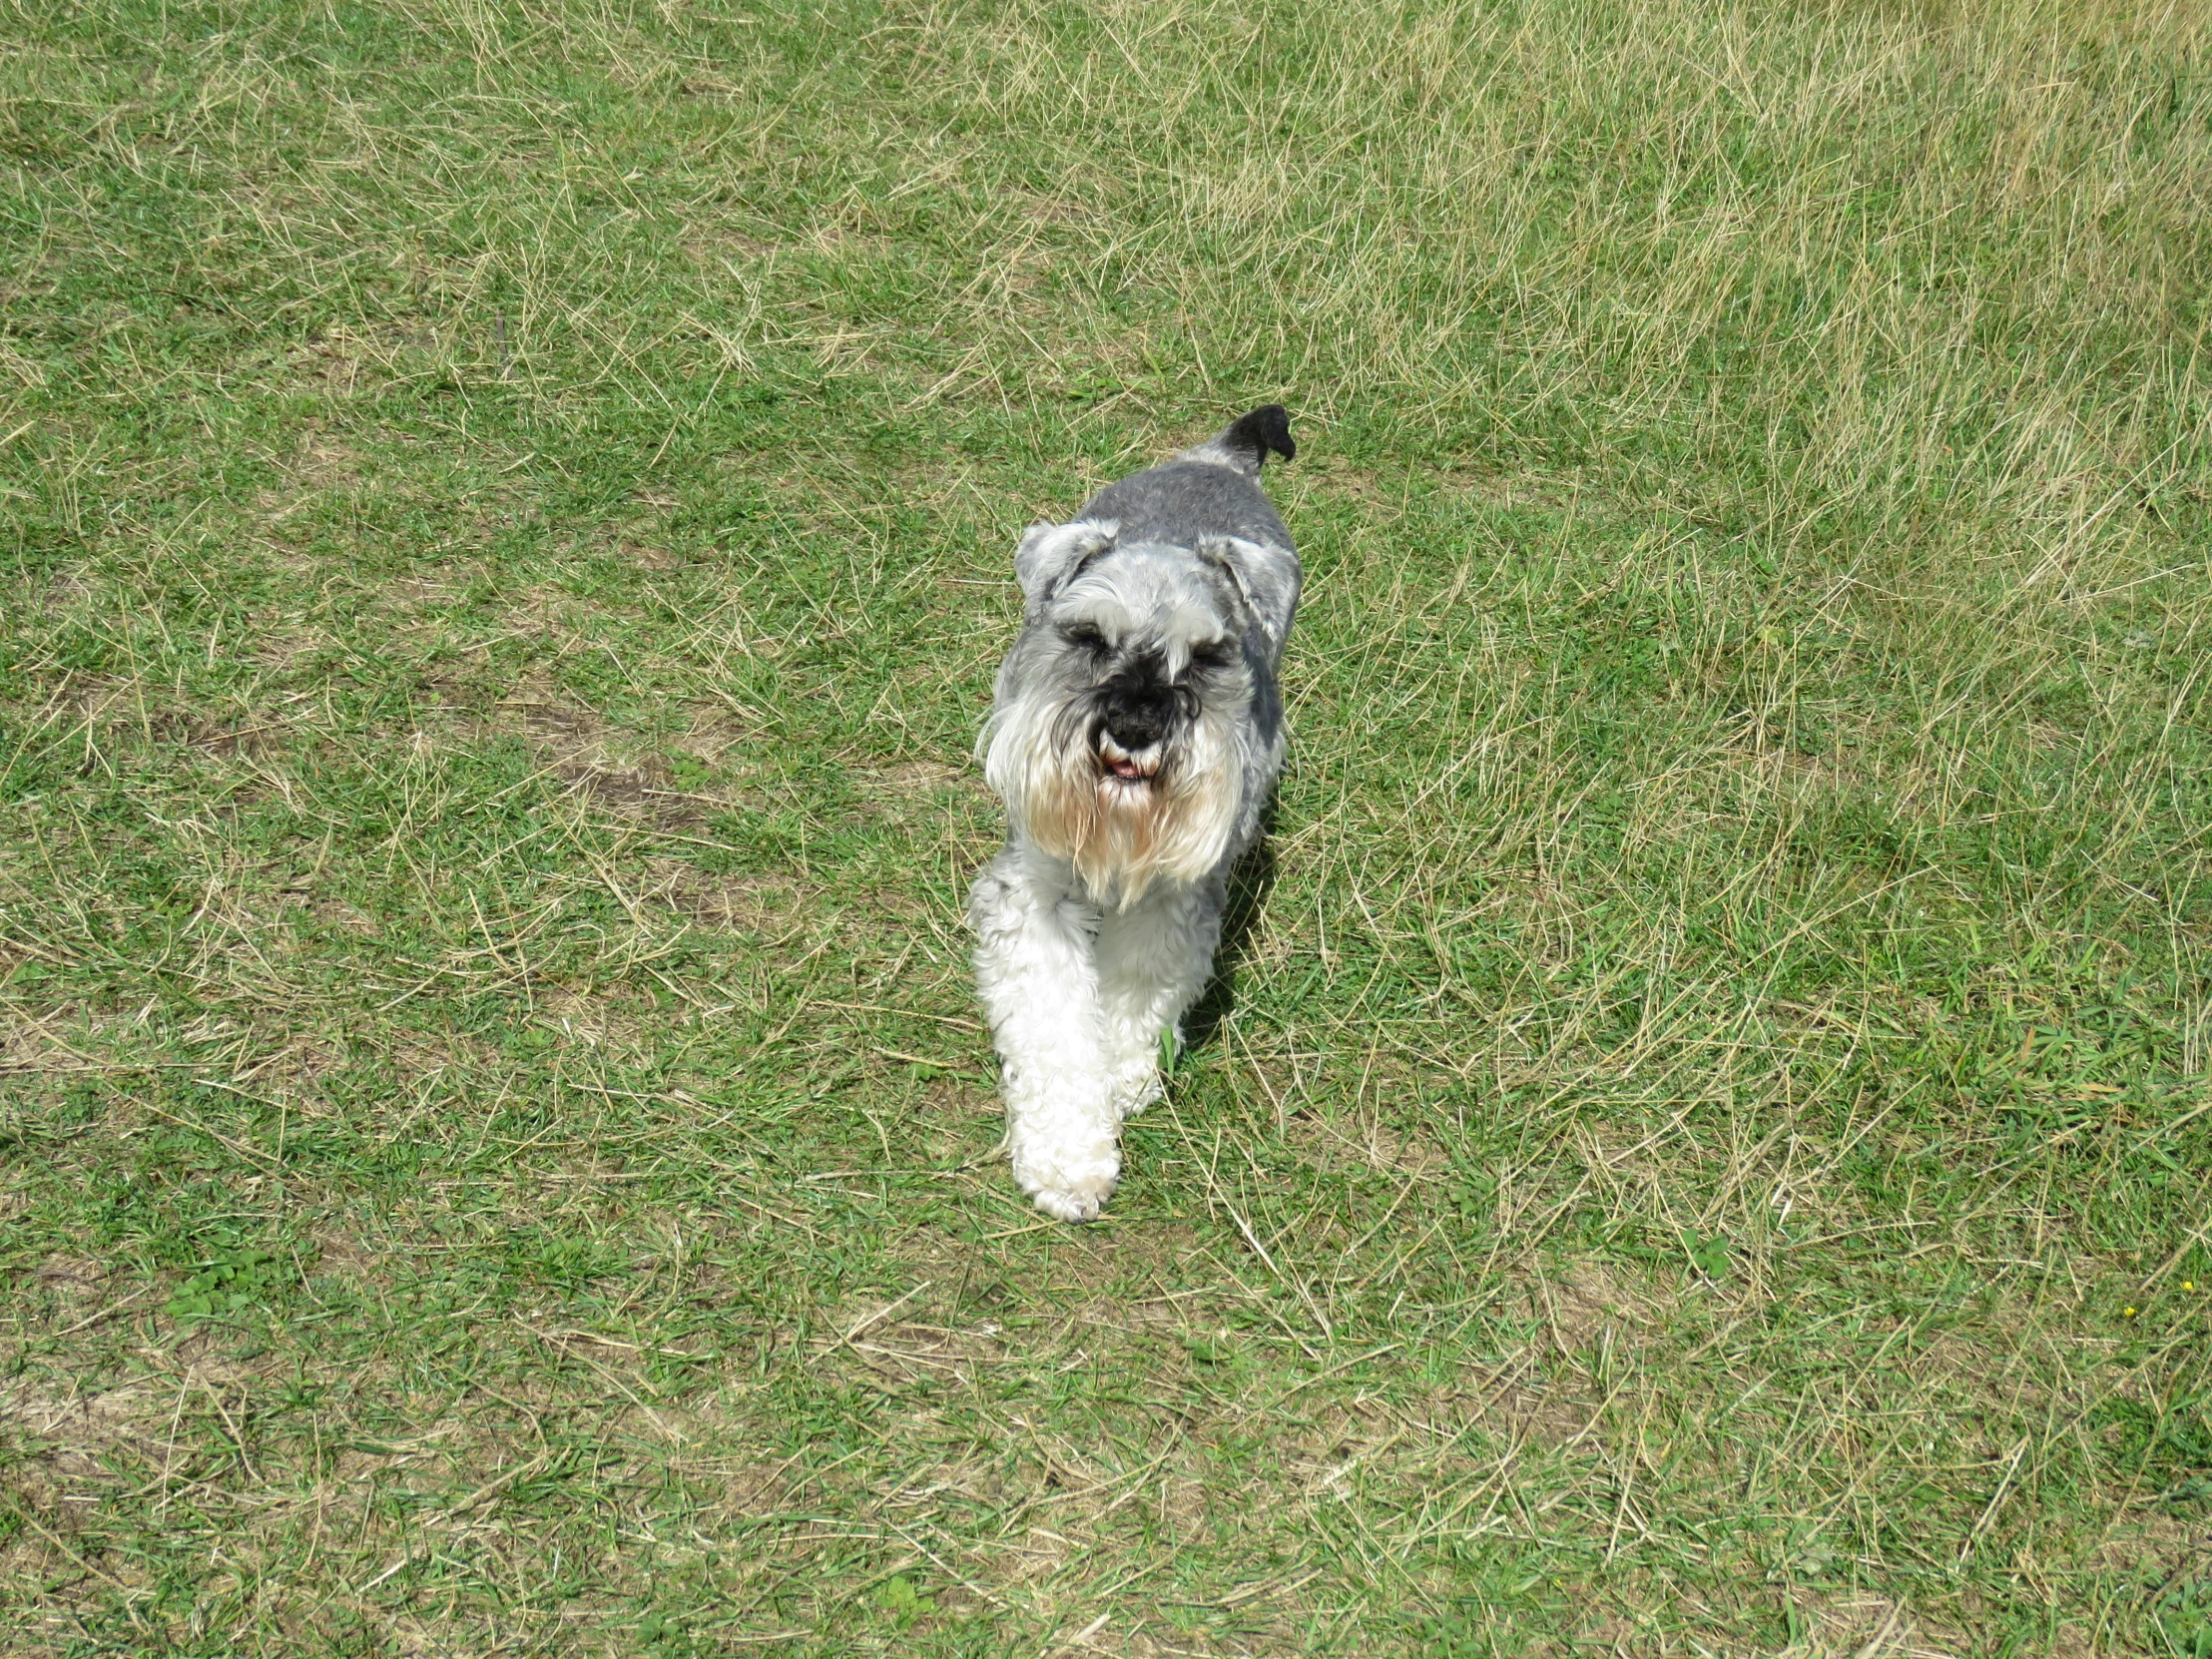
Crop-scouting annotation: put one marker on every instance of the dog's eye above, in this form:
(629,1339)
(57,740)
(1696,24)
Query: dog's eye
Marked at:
(1085,639)
(1218,654)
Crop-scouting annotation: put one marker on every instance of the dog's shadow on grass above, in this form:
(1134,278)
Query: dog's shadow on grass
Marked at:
(1249,886)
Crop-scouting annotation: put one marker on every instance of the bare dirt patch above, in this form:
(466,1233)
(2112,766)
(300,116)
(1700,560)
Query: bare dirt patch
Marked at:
(74,1281)
(349,357)
(1866,1626)
(69,1437)
(905,1351)
(902,779)
(617,769)
(744,904)
(321,465)
(592,1019)
(1588,1299)
(2164,1545)
(584,751)
(1364,1140)
(1515,1402)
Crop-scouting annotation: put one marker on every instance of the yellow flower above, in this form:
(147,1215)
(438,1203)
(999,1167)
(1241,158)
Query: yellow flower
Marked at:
(2127,1313)
(2188,1284)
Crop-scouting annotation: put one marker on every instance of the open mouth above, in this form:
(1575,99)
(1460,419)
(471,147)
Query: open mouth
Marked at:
(1125,766)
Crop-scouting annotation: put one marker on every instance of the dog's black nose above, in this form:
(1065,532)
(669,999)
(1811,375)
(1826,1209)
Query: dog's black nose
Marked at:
(1137,719)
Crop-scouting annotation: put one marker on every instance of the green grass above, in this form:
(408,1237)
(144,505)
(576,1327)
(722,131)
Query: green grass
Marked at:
(505,517)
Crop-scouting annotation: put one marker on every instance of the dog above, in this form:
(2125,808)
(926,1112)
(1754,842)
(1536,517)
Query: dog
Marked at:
(1135,736)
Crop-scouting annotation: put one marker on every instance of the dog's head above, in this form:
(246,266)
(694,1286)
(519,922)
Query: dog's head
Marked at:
(1131,707)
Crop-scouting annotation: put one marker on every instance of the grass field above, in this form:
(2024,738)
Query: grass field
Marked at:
(505,527)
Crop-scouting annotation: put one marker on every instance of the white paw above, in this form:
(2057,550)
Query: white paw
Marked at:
(1073,1203)
(1070,1189)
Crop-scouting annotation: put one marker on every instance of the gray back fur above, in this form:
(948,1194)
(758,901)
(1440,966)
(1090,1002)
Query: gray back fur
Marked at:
(1178,501)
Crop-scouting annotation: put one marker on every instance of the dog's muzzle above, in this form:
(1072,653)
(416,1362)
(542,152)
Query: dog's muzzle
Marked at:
(1133,733)
(1125,765)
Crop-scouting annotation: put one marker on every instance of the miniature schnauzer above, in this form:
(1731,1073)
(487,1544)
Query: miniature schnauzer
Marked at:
(1134,736)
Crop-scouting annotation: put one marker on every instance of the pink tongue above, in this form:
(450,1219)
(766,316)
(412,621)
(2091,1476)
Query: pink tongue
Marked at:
(1125,768)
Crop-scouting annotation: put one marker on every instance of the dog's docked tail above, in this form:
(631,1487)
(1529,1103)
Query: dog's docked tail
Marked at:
(1244,444)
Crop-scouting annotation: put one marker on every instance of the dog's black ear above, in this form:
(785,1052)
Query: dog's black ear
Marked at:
(1266,428)
(1051,554)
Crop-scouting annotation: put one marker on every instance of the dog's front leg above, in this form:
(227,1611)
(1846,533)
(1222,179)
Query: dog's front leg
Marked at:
(1036,968)
(1153,962)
